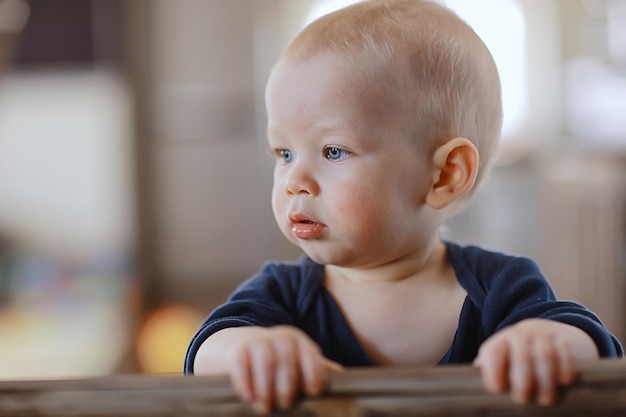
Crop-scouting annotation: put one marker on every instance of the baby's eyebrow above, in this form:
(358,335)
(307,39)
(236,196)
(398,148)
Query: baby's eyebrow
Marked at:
(334,129)
(326,129)
(341,128)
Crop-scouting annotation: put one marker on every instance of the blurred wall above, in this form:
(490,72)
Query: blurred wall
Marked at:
(212,222)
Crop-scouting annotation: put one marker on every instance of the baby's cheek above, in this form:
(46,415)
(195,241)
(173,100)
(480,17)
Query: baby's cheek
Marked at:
(362,221)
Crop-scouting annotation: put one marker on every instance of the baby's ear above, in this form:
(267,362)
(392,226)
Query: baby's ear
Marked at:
(455,168)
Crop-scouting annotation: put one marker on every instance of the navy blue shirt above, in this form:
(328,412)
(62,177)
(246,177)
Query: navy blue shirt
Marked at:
(501,290)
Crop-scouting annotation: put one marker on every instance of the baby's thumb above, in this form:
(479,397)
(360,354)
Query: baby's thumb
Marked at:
(332,365)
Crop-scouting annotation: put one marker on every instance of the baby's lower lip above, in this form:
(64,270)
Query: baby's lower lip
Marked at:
(307,230)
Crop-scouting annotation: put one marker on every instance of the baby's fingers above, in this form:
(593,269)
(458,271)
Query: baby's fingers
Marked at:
(332,365)
(262,366)
(567,368)
(546,369)
(240,376)
(493,360)
(521,371)
(312,371)
(287,375)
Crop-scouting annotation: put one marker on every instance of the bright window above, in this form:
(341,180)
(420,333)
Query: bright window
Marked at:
(505,38)
(322,7)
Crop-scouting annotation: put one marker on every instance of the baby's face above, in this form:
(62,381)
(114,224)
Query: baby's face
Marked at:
(349,183)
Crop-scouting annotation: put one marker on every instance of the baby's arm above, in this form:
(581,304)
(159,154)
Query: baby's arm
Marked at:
(533,357)
(267,366)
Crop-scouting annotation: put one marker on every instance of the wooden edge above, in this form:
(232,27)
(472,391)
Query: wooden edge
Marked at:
(438,391)
(354,381)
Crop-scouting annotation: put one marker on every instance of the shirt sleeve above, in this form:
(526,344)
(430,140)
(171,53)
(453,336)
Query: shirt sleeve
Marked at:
(519,291)
(263,300)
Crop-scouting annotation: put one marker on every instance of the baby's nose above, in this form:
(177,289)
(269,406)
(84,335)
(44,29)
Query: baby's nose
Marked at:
(301,181)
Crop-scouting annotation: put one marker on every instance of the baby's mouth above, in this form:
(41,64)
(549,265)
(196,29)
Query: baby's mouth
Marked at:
(304,228)
(298,218)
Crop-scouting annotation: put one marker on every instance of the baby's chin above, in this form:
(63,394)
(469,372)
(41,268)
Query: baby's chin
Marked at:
(314,250)
(323,251)
(332,256)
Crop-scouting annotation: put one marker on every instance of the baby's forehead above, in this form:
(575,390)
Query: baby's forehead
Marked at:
(370,78)
(353,89)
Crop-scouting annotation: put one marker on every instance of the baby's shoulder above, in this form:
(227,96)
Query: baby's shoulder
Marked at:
(475,263)
(477,257)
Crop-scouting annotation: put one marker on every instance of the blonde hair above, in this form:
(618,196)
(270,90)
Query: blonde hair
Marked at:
(439,69)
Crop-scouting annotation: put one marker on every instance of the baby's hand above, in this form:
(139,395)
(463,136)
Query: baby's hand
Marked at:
(532,358)
(269,366)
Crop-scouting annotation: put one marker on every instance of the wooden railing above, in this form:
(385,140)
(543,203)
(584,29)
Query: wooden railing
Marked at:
(443,391)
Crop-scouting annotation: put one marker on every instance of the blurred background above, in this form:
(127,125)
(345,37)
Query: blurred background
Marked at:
(135,182)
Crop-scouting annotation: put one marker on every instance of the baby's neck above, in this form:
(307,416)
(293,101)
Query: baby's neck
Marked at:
(425,264)
(381,303)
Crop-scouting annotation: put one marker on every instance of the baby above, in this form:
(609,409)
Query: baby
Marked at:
(383,118)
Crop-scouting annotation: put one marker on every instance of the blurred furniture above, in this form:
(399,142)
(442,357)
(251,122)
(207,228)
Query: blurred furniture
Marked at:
(68,277)
(584,232)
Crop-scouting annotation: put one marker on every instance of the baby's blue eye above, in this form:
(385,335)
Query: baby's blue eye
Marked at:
(286,155)
(334,154)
